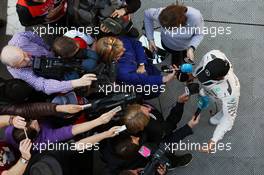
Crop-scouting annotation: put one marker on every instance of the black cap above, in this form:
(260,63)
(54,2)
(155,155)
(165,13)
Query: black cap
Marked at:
(214,69)
(47,165)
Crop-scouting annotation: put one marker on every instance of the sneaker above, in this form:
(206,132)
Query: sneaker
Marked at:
(215,120)
(179,161)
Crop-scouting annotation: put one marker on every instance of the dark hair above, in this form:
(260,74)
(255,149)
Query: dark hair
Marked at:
(124,147)
(173,16)
(65,47)
(19,134)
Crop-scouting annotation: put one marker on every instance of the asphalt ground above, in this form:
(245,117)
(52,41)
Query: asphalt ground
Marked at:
(244,48)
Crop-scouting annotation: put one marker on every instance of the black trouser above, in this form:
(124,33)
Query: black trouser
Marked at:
(173,119)
(158,128)
(177,56)
(170,125)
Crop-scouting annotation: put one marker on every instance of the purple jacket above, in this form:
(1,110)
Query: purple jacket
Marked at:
(34,45)
(46,134)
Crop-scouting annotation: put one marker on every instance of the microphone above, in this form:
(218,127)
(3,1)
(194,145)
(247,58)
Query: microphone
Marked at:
(166,69)
(197,113)
(203,103)
(184,68)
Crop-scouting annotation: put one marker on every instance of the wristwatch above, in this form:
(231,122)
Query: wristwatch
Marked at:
(24,161)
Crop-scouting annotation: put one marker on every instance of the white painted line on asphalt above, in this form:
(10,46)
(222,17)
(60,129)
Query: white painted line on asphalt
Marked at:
(13,25)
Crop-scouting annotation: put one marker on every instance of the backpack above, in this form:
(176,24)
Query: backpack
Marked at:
(83,12)
(91,12)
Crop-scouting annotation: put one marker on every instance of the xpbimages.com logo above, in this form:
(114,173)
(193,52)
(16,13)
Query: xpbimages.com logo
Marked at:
(192,146)
(59,30)
(58,146)
(124,88)
(211,31)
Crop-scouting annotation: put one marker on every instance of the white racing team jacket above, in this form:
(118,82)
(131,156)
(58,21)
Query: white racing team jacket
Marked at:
(226,91)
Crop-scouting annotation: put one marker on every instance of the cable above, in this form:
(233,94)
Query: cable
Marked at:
(238,23)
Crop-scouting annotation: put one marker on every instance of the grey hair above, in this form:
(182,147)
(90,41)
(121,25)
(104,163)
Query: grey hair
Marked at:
(9,55)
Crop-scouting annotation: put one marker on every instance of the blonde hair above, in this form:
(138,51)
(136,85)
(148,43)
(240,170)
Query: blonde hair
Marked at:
(109,48)
(134,119)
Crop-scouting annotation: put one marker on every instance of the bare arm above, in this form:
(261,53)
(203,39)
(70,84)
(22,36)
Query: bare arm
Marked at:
(16,121)
(84,127)
(97,137)
(18,169)
(4,120)
(92,139)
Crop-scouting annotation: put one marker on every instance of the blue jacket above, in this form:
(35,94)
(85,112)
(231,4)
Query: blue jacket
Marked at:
(127,65)
(89,63)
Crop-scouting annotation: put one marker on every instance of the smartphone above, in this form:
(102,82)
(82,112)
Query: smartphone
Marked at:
(87,106)
(144,151)
(121,129)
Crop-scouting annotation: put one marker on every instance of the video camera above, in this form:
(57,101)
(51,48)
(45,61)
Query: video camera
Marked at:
(159,157)
(184,68)
(115,25)
(56,68)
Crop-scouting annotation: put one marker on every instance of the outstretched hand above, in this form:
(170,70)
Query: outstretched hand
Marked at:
(193,122)
(70,108)
(19,122)
(118,13)
(106,117)
(114,131)
(183,98)
(24,148)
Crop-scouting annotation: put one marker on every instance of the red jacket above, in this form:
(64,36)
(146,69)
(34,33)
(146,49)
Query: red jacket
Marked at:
(28,11)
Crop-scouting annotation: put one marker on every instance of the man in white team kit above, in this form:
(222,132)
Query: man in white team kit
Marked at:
(215,73)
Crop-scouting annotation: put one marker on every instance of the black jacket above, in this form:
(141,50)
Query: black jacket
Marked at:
(132,6)
(30,110)
(157,131)
(71,162)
